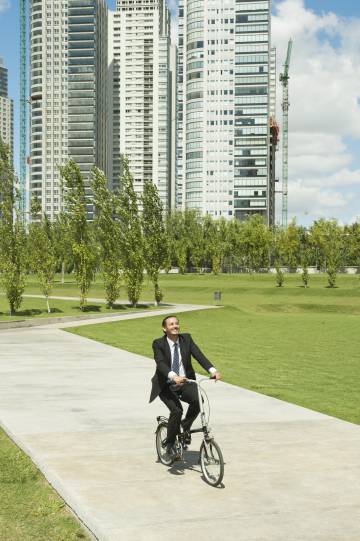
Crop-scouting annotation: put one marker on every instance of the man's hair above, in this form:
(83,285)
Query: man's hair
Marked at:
(163,323)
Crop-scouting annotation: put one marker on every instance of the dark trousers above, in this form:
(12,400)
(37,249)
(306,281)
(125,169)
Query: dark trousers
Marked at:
(187,393)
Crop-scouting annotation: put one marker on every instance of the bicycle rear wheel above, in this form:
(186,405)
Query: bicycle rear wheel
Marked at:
(212,462)
(160,439)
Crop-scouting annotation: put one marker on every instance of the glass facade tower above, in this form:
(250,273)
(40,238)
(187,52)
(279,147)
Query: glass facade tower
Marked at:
(68,66)
(251,135)
(87,86)
(223,108)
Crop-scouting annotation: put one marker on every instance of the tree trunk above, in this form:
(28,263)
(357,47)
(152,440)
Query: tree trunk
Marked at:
(63,272)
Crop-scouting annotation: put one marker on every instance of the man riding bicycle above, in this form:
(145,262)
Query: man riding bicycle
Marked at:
(172,354)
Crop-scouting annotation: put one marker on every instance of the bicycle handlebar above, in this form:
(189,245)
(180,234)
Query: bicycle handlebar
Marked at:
(197,382)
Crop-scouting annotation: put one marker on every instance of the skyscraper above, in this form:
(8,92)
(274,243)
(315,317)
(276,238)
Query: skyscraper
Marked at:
(68,93)
(6,110)
(251,141)
(223,107)
(141,93)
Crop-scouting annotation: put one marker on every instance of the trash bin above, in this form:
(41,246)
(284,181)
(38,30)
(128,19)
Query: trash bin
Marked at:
(217,295)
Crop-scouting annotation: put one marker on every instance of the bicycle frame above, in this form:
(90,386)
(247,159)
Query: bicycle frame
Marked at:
(204,426)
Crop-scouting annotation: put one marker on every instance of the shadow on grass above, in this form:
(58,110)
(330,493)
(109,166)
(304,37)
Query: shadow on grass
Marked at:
(128,305)
(88,308)
(36,312)
(117,307)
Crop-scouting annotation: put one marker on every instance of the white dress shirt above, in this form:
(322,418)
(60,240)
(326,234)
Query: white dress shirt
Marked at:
(172,374)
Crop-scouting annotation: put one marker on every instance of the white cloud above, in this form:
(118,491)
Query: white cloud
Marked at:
(315,202)
(324,107)
(4,5)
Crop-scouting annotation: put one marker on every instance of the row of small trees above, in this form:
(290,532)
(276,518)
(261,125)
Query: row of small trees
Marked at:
(130,235)
(120,241)
(226,246)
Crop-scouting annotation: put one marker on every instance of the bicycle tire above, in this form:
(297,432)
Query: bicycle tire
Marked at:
(160,437)
(212,462)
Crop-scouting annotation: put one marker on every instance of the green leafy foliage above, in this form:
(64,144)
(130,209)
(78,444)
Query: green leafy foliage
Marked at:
(255,242)
(12,234)
(82,244)
(132,242)
(327,237)
(41,250)
(155,240)
(108,235)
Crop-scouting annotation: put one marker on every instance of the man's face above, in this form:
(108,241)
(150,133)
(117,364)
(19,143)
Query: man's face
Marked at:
(172,327)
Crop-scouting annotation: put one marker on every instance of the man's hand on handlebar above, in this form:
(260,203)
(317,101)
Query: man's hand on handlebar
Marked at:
(179,380)
(216,376)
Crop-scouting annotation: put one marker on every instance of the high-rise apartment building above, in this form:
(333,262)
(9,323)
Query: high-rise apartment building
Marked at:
(6,110)
(141,93)
(223,107)
(68,65)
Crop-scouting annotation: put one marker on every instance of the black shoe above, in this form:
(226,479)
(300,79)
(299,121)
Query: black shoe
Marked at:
(171,450)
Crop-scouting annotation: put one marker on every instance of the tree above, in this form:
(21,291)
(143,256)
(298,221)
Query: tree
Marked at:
(279,245)
(62,244)
(305,256)
(132,244)
(42,249)
(155,240)
(352,238)
(216,242)
(12,234)
(234,253)
(291,245)
(195,237)
(177,237)
(108,235)
(255,241)
(81,243)
(327,236)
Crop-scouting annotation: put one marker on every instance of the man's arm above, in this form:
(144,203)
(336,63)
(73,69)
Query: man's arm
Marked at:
(202,360)
(160,360)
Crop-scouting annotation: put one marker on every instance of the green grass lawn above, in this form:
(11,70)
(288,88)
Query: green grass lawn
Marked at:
(29,509)
(299,345)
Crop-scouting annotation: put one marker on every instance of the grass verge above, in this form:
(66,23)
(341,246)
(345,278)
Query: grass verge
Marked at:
(30,510)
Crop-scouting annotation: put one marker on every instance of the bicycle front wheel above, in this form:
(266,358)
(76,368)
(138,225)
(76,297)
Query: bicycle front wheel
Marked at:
(160,439)
(212,462)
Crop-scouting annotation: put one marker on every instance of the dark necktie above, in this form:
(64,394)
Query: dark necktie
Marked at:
(176,360)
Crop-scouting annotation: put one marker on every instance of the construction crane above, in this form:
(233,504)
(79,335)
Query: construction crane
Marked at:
(284,79)
(23,102)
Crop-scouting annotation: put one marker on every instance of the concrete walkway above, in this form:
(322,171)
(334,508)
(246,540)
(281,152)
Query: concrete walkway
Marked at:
(80,410)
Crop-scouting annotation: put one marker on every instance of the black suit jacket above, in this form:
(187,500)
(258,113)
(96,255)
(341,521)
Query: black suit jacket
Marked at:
(162,356)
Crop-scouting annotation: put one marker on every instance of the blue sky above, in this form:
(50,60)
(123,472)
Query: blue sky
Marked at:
(322,183)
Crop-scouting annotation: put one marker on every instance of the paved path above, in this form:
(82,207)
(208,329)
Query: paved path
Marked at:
(80,410)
